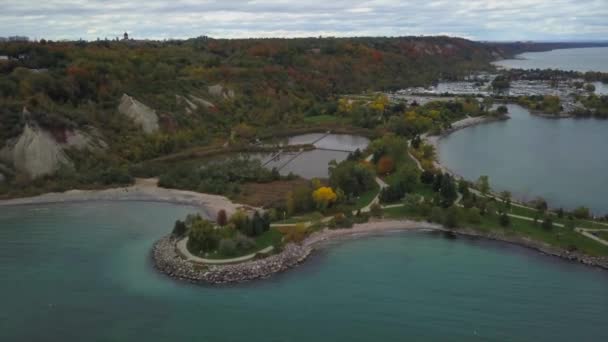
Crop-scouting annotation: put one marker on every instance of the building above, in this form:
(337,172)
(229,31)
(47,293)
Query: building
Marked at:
(126,36)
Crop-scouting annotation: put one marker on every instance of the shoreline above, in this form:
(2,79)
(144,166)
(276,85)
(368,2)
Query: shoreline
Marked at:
(168,260)
(433,140)
(144,190)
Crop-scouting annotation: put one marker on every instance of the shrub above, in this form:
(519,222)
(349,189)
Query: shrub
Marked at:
(179,229)
(452,217)
(222,218)
(427,177)
(581,213)
(547,223)
(342,221)
(436,215)
(375,210)
(243,242)
(227,247)
(241,222)
(295,234)
(504,220)
(473,216)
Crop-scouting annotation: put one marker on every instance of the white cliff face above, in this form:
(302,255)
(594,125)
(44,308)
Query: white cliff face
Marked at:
(202,102)
(141,114)
(220,91)
(35,152)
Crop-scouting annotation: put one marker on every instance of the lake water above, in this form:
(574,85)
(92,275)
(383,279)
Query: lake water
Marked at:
(82,272)
(562,160)
(582,59)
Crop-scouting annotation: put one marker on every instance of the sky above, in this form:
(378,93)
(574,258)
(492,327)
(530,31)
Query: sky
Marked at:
(496,20)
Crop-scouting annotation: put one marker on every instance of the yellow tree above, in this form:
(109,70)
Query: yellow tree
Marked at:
(345,106)
(379,104)
(324,196)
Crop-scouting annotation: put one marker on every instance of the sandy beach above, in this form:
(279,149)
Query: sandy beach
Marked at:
(145,190)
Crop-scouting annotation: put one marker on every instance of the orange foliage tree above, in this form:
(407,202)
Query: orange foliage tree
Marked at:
(385,165)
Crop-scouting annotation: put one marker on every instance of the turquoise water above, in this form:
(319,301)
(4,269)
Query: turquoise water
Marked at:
(561,160)
(583,60)
(82,272)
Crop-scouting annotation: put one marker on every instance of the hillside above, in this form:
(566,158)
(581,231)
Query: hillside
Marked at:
(144,99)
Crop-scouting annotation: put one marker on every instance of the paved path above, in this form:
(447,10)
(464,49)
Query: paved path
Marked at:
(587,232)
(376,199)
(183,250)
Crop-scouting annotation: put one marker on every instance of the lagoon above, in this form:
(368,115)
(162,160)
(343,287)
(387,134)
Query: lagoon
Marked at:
(83,272)
(561,160)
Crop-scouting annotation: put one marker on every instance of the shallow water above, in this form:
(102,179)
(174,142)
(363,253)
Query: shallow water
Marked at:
(582,59)
(315,163)
(562,160)
(82,272)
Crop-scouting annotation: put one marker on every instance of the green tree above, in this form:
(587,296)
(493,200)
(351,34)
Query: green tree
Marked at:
(352,177)
(504,220)
(202,237)
(448,191)
(179,229)
(483,184)
(581,213)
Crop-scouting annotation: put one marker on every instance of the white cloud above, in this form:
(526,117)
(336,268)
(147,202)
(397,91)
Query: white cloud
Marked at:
(476,19)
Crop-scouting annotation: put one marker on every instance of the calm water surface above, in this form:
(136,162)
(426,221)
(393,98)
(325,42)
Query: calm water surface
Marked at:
(82,272)
(562,160)
(315,163)
(583,60)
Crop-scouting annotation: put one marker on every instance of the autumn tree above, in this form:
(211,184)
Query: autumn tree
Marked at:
(324,197)
(222,218)
(385,166)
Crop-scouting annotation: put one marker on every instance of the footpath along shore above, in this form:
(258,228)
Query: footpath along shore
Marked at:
(170,261)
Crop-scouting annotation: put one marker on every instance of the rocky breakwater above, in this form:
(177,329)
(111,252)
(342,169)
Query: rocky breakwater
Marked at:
(168,260)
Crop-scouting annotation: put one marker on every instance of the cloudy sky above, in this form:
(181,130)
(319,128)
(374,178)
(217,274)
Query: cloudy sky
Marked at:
(158,19)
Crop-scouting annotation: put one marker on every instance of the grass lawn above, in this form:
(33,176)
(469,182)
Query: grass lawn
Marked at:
(314,216)
(366,197)
(558,236)
(602,235)
(272,237)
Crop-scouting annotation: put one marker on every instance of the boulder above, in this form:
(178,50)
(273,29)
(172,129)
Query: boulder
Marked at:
(142,115)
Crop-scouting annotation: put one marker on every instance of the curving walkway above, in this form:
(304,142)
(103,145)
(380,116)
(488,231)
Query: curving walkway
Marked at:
(183,250)
(588,233)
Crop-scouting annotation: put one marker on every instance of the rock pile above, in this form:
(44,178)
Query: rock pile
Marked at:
(168,261)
